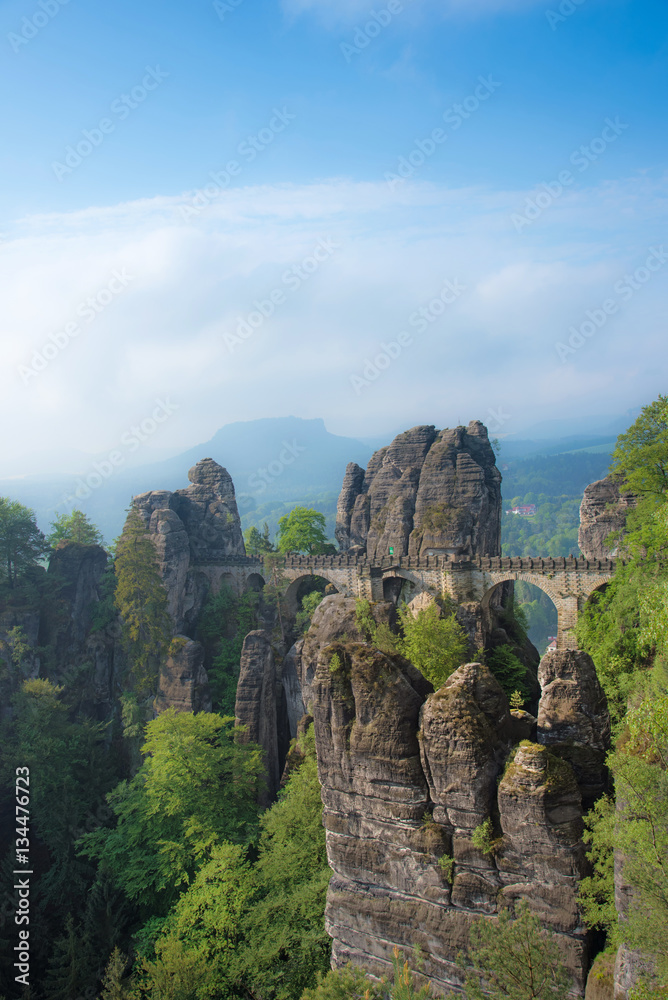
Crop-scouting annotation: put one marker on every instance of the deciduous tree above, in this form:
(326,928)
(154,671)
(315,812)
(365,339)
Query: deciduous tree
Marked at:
(74,527)
(196,789)
(303,530)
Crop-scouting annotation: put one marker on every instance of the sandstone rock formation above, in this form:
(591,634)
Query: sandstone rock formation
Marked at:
(260,708)
(78,569)
(193,530)
(573,717)
(428,491)
(77,573)
(407,776)
(603,510)
(183,682)
(542,855)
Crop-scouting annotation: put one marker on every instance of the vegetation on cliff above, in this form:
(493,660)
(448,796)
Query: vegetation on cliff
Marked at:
(141,602)
(624,629)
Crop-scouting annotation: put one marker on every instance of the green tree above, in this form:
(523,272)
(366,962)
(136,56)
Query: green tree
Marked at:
(22,544)
(115,985)
(509,671)
(226,620)
(70,770)
(179,973)
(74,527)
(256,928)
(257,543)
(303,530)
(625,628)
(142,603)
(641,455)
(73,772)
(71,971)
(597,891)
(309,603)
(196,788)
(640,770)
(514,959)
(435,645)
(352,983)
(286,943)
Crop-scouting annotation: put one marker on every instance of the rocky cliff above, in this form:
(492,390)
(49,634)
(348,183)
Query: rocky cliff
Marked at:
(428,491)
(261,708)
(603,510)
(408,775)
(573,718)
(193,530)
(79,641)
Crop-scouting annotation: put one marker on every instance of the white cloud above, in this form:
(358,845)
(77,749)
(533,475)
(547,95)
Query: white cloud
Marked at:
(192,283)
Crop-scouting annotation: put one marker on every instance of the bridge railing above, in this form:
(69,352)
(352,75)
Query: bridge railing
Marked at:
(346,560)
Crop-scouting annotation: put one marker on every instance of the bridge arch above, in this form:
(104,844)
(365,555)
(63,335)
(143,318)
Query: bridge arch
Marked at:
(551,610)
(299,586)
(254,581)
(537,580)
(400,584)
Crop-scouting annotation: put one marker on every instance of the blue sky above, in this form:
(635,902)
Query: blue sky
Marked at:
(336,104)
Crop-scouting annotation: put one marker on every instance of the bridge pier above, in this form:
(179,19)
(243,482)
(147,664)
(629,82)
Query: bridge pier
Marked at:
(567,617)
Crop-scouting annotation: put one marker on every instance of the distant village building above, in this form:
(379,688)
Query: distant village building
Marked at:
(527,511)
(552,644)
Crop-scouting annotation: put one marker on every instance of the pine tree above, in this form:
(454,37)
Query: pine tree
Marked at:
(142,603)
(69,972)
(514,959)
(114,984)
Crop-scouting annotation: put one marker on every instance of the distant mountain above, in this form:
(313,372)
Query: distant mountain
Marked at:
(569,427)
(288,460)
(273,459)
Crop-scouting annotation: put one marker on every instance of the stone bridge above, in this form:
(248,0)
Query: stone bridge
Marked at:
(568,582)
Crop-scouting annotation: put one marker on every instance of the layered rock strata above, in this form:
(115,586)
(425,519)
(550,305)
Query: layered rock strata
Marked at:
(261,709)
(604,509)
(70,633)
(407,776)
(573,718)
(183,683)
(193,530)
(428,492)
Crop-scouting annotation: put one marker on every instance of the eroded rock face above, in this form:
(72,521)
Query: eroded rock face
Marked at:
(541,855)
(603,510)
(573,717)
(429,491)
(192,530)
(183,683)
(260,708)
(465,728)
(407,776)
(66,628)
